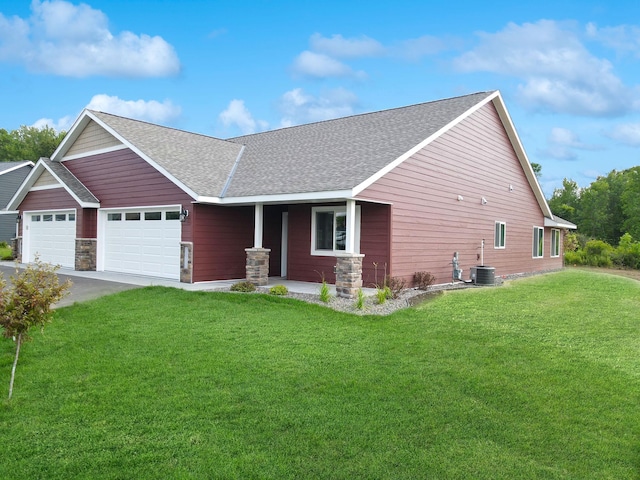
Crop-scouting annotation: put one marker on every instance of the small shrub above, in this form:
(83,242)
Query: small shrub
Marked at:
(423,280)
(4,244)
(381,295)
(597,248)
(574,258)
(244,287)
(325,295)
(360,299)
(278,290)
(395,285)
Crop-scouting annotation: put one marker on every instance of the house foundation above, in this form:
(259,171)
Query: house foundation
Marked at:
(349,275)
(86,254)
(258,265)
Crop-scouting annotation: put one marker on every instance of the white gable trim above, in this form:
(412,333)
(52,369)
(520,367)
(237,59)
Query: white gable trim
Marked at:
(28,183)
(79,126)
(94,152)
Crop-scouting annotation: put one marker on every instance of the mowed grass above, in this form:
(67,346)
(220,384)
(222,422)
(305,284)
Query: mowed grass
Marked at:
(539,378)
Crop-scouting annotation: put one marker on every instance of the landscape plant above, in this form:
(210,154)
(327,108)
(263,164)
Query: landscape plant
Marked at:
(360,298)
(244,287)
(279,290)
(325,294)
(423,280)
(5,251)
(27,303)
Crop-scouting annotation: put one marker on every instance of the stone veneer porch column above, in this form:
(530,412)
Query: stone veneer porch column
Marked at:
(258,265)
(349,274)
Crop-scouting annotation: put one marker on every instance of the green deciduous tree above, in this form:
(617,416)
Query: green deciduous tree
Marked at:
(564,201)
(27,303)
(28,143)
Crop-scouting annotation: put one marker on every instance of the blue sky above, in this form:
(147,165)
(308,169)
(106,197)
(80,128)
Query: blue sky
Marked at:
(568,70)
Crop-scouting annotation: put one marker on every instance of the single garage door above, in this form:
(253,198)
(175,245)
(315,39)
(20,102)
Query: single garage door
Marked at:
(52,236)
(143,242)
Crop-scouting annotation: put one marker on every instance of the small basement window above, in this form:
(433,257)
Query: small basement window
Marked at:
(500,236)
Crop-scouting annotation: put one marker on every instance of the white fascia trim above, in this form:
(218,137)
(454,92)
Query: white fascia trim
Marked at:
(141,208)
(337,195)
(94,152)
(510,128)
(548,222)
(16,167)
(155,165)
(377,176)
(8,212)
(51,210)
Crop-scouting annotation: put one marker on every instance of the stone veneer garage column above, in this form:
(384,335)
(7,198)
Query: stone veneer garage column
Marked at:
(258,265)
(86,253)
(349,274)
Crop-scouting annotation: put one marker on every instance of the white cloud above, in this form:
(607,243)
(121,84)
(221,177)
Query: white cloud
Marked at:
(562,144)
(299,107)
(339,47)
(416,48)
(63,124)
(623,38)
(74,40)
(627,134)
(237,114)
(151,111)
(319,65)
(559,73)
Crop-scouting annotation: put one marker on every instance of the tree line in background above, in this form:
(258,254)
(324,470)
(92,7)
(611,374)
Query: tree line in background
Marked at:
(607,214)
(28,143)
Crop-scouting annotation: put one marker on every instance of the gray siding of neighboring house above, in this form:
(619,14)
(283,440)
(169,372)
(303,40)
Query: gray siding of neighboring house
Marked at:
(9,184)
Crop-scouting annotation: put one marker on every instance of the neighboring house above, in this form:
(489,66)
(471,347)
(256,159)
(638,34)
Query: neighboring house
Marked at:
(397,191)
(12,174)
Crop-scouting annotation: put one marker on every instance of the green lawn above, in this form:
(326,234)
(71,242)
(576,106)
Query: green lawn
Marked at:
(5,253)
(539,378)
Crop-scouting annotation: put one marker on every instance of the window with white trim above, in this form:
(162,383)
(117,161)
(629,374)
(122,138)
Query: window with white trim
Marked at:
(555,242)
(500,235)
(329,230)
(538,242)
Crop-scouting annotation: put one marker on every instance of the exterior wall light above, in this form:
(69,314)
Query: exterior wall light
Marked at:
(484,201)
(184,213)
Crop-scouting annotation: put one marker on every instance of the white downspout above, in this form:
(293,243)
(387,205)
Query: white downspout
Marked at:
(258,225)
(350,240)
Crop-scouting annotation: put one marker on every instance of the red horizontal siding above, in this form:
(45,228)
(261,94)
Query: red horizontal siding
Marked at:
(475,159)
(220,237)
(123,179)
(272,236)
(374,244)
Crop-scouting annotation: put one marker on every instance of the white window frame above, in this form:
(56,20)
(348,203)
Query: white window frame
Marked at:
(500,235)
(538,242)
(555,243)
(335,210)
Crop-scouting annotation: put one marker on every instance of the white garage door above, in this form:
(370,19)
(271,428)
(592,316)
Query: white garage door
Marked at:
(143,242)
(52,236)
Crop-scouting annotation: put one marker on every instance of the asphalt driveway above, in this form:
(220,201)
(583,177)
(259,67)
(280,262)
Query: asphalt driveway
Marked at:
(83,289)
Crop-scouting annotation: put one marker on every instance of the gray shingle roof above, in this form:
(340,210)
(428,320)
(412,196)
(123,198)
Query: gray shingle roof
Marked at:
(199,162)
(338,154)
(70,181)
(4,166)
(326,156)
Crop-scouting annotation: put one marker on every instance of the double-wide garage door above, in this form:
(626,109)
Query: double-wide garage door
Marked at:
(51,236)
(143,242)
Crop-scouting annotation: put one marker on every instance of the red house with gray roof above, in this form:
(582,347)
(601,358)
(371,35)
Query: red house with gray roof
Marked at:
(396,191)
